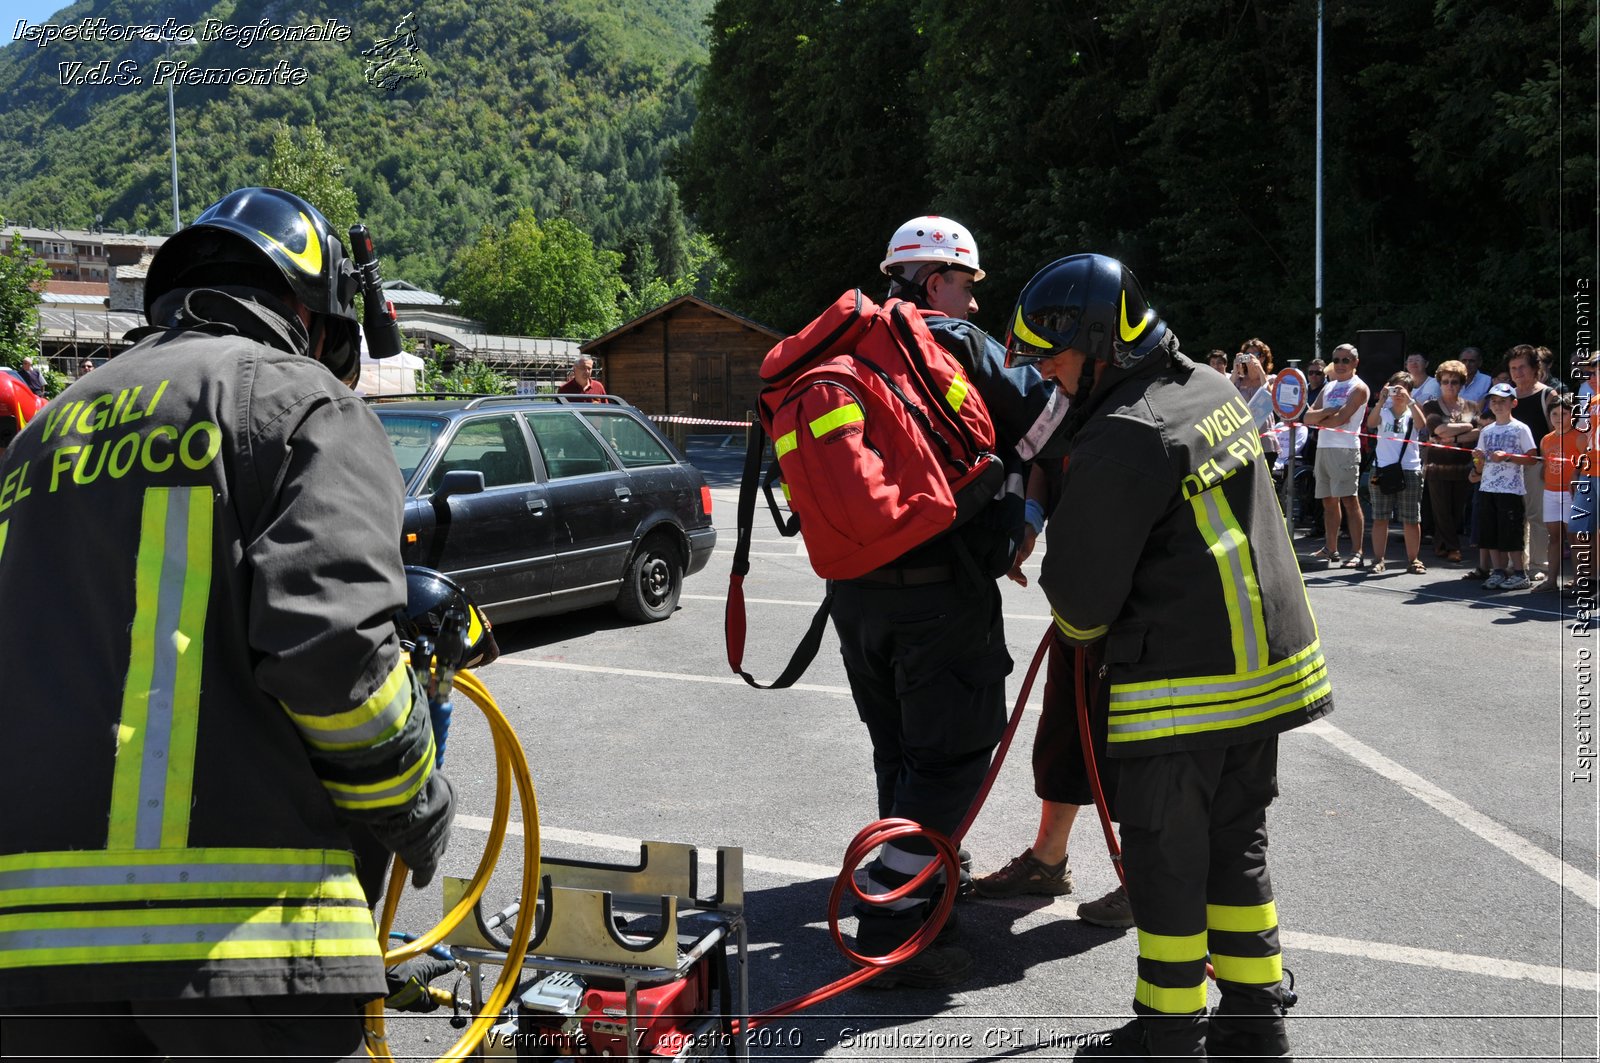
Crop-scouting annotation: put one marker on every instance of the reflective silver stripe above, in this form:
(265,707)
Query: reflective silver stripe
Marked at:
(104,937)
(387,719)
(1045,425)
(162,874)
(1230,538)
(1313,687)
(164,674)
(357,795)
(897,859)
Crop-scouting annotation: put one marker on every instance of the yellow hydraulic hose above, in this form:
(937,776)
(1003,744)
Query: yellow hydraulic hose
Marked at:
(508,761)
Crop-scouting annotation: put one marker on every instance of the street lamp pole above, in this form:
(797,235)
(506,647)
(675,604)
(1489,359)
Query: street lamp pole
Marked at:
(172,127)
(1317,298)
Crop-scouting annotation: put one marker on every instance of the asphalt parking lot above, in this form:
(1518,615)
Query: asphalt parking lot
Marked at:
(1434,849)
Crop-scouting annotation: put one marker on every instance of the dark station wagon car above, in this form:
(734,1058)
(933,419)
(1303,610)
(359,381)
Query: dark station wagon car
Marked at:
(539,505)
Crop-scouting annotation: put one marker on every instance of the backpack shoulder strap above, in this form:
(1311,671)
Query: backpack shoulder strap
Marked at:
(733,617)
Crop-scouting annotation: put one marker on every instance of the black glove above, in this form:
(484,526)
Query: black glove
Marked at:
(408,982)
(421,837)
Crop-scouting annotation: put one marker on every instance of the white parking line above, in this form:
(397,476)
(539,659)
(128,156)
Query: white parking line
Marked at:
(1586,887)
(798,871)
(641,673)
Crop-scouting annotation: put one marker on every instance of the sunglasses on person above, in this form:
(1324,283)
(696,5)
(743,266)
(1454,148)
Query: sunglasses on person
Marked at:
(1344,361)
(1452,380)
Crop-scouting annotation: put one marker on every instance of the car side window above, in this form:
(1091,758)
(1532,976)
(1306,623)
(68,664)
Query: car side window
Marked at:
(411,437)
(493,446)
(631,440)
(569,449)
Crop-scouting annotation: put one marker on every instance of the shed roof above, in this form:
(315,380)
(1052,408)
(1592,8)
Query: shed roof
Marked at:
(667,307)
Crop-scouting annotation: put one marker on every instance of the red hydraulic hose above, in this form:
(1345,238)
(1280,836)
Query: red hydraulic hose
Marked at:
(1080,657)
(946,861)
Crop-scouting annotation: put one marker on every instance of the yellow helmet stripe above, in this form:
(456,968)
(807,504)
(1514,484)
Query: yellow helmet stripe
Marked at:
(1020,329)
(1129,331)
(309,257)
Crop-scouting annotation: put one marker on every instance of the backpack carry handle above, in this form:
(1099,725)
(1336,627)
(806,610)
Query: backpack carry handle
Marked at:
(787,528)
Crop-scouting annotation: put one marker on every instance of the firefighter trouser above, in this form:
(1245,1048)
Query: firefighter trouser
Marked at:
(927,667)
(1194,848)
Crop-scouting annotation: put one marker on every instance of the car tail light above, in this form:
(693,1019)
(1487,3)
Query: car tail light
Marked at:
(705,499)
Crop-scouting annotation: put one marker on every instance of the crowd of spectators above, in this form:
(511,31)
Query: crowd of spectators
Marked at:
(1481,464)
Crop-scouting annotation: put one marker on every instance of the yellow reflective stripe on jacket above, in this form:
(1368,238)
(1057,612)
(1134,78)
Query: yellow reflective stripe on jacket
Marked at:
(1248,970)
(1242,918)
(143,935)
(101,876)
(381,716)
(1208,689)
(957,393)
(1172,948)
(153,782)
(1168,1001)
(1241,592)
(1079,634)
(386,793)
(1176,721)
(783,444)
(849,413)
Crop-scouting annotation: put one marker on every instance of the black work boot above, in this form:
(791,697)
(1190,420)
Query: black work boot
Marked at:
(1135,1041)
(1247,1036)
(941,965)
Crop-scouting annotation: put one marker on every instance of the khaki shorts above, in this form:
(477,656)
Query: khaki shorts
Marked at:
(1338,471)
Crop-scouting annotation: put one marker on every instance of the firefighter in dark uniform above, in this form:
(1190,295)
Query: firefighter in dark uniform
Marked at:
(204,694)
(1169,548)
(922,639)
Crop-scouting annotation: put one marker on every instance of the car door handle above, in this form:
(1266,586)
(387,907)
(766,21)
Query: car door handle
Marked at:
(623,492)
(537,506)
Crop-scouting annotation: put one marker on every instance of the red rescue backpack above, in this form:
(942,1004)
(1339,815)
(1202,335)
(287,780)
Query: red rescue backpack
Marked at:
(881,443)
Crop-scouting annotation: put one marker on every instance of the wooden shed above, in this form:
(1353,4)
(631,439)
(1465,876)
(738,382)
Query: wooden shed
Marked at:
(686,357)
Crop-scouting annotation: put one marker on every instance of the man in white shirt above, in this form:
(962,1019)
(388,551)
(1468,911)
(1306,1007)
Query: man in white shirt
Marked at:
(1337,418)
(1476,389)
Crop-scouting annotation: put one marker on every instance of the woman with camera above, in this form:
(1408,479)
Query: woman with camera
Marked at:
(1396,484)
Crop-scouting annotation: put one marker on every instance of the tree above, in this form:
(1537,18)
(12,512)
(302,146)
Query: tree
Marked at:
(808,149)
(303,163)
(534,280)
(22,275)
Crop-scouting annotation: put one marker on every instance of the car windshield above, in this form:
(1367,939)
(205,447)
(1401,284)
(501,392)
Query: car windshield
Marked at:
(412,436)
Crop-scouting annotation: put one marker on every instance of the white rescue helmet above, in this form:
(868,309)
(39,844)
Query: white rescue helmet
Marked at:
(931,238)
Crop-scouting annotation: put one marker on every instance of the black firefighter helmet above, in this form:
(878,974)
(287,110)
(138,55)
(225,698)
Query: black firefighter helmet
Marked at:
(1087,303)
(432,600)
(268,238)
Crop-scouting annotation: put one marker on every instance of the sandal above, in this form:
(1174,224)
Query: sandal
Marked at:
(1378,567)
(1353,561)
(1417,568)
(1330,556)
(1454,557)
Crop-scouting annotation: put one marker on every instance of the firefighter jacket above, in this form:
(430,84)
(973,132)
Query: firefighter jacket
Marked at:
(199,554)
(1169,543)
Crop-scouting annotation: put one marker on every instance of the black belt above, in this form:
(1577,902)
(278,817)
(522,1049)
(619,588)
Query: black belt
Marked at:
(908,577)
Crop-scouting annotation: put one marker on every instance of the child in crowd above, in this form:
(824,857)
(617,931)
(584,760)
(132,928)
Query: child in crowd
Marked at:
(1502,447)
(1559,451)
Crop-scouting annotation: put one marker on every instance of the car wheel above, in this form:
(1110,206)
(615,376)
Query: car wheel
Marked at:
(654,581)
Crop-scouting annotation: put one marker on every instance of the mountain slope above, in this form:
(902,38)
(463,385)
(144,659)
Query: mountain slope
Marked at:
(567,106)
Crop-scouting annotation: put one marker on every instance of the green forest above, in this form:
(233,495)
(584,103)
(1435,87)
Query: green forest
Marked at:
(786,139)
(564,107)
